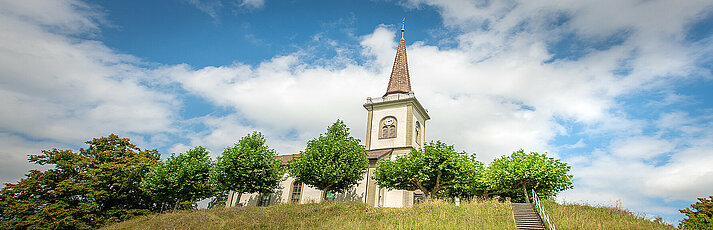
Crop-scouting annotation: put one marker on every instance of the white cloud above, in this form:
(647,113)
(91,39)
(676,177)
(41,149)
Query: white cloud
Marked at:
(641,147)
(60,91)
(63,89)
(14,152)
(251,4)
(67,17)
(210,7)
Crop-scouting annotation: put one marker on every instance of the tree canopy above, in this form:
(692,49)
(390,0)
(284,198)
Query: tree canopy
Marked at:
(515,175)
(476,187)
(183,177)
(332,162)
(699,215)
(83,190)
(430,169)
(249,166)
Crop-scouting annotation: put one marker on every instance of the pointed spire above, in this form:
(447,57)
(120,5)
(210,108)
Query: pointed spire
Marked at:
(400,82)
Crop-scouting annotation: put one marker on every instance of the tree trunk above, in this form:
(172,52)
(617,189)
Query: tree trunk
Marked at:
(524,190)
(240,195)
(175,206)
(427,197)
(324,193)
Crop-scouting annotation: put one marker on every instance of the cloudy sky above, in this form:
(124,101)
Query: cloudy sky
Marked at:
(619,89)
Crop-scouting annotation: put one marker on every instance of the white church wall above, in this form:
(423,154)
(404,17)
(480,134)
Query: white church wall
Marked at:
(397,111)
(394,198)
(419,117)
(283,193)
(310,195)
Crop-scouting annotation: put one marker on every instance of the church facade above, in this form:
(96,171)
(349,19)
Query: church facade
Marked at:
(396,123)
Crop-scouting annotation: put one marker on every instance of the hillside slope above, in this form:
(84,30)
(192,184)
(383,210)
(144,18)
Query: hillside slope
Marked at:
(356,215)
(575,216)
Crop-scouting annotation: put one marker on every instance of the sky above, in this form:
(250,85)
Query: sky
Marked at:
(621,90)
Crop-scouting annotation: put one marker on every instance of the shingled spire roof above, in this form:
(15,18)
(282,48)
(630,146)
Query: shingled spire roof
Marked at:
(400,82)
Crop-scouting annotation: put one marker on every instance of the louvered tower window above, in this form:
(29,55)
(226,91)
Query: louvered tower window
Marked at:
(388,128)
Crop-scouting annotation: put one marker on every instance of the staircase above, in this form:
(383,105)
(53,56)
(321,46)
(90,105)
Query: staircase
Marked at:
(526,217)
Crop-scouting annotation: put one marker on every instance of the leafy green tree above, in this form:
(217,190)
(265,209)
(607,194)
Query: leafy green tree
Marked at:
(524,171)
(699,215)
(332,162)
(82,190)
(434,167)
(249,166)
(476,187)
(182,178)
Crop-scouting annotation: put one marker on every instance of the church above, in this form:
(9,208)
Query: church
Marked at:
(396,123)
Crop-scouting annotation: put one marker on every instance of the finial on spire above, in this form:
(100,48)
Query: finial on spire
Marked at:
(403,22)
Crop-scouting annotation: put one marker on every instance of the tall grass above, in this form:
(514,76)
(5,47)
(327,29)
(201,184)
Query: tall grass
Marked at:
(487,214)
(352,215)
(575,216)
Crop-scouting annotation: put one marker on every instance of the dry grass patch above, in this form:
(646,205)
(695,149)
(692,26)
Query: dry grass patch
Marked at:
(575,216)
(352,215)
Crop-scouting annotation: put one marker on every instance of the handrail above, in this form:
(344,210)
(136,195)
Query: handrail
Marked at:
(542,212)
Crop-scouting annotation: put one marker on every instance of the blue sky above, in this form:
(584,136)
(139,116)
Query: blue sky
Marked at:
(620,90)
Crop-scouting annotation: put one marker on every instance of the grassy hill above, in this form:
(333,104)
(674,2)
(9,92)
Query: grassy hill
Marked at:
(355,215)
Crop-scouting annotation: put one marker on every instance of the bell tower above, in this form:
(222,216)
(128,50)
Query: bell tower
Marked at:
(396,123)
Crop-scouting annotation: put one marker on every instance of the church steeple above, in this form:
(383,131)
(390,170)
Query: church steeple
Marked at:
(400,82)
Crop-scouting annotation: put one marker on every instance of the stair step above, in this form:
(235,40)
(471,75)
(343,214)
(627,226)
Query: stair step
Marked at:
(525,217)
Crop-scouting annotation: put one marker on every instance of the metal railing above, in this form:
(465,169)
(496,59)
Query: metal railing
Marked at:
(542,212)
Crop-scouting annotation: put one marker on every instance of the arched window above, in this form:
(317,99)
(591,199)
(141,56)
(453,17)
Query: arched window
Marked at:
(264,200)
(418,132)
(296,192)
(388,127)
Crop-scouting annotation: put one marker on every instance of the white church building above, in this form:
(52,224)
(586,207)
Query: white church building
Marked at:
(396,123)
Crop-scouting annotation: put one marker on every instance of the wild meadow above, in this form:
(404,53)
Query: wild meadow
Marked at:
(577,216)
(330,215)
(481,214)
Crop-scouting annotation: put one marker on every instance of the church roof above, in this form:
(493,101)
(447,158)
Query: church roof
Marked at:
(285,159)
(371,154)
(400,82)
(378,153)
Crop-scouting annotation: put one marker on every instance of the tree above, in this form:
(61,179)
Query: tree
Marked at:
(699,215)
(476,187)
(332,162)
(184,177)
(523,171)
(249,166)
(434,167)
(83,190)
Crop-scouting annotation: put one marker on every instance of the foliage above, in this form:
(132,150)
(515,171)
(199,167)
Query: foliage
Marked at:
(699,215)
(180,178)
(430,169)
(515,175)
(473,189)
(334,161)
(249,166)
(83,190)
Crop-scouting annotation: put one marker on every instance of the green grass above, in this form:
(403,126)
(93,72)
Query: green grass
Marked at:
(357,215)
(575,216)
(353,215)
